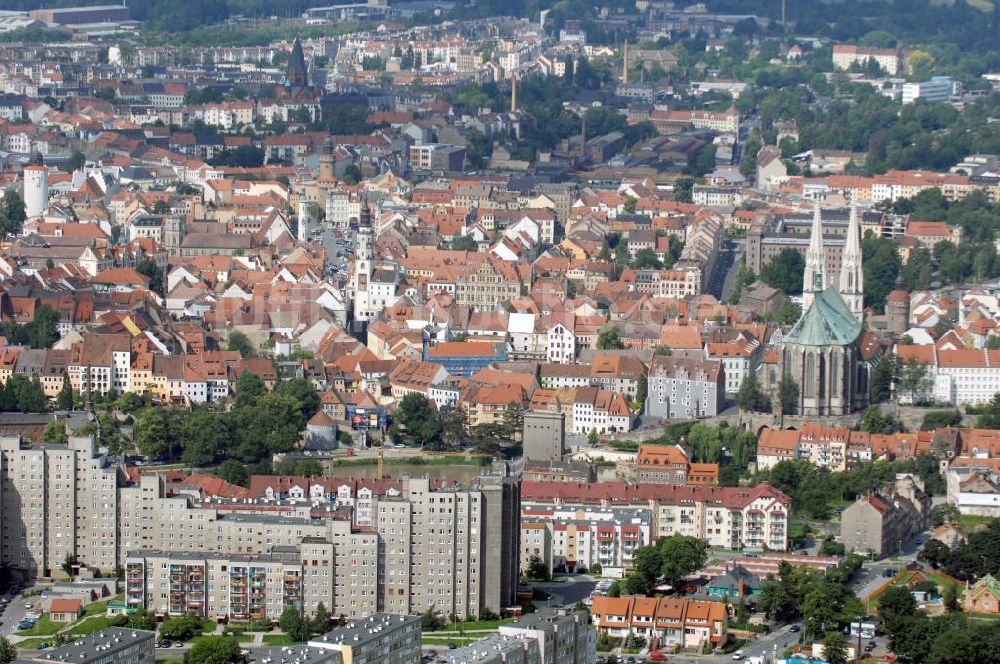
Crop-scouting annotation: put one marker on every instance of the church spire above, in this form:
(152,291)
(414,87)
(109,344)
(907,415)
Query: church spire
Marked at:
(814,279)
(852,278)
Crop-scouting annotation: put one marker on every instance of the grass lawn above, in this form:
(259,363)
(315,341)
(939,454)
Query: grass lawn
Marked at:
(279,640)
(478,624)
(241,638)
(444,641)
(96,608)
(30,644)
(968,522)
(90,625)
(44,627)
(904,577)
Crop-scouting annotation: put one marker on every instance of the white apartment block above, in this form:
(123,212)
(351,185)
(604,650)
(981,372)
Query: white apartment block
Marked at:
(573,540)
(58,500)
(847,55)
(957,377)
(731,518)
(242,587)
(450,548)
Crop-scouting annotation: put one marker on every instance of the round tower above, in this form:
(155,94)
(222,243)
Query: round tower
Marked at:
(36,191)
(327,162)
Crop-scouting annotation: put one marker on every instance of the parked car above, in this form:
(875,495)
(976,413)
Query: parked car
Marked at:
(794,628)
(738,655)
(42,646)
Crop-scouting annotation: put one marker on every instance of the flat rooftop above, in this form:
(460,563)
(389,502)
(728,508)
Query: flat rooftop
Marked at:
(97,646)
(360,632)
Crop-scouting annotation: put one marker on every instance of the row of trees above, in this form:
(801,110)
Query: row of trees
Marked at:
(969,560)
(261,423)
(947,639)
(417,423)
(824,603)
(40,332)
(671,559)
(812,489)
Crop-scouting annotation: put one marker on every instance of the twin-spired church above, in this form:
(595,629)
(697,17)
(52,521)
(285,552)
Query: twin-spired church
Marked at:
(823,351)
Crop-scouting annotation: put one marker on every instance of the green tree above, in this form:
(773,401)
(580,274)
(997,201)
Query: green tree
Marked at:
(464,243)
(294,625)
(950,599)
(608,339)
(154,433)
(8,651)
(272,425)
(64,400)
(881,264)
(204,436)
(944,513)
(875,421)
(788,395)
(11,213)
(148,268)
(914,379)
(593,438)
(24,395)
(233,472)
(249,388)
(641,389)
(352,175)
(537,569)
(940,418)
(835,648)
(309,468)
(303,392)
(785,271)
(883,375)
(751,147)
(55,434)
(69,564)
(750,397)
(414,421)
(683,190)
(663,350)
(680,556)
(895,604)
(239,342)
(615,589)
(214,650)
(431,620)
(321,620)
(646,258)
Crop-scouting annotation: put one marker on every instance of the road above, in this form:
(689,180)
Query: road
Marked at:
(576,588)
(725,269)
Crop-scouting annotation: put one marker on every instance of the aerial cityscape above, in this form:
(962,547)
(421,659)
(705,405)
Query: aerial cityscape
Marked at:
(481,332)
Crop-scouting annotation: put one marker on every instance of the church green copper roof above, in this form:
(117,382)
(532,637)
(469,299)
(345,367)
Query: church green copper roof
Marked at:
(827,322)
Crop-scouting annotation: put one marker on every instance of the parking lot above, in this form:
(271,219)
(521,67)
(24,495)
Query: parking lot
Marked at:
(339,245)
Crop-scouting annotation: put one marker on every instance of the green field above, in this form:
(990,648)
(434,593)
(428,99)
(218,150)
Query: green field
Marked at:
(30,644)
(44,627)
(90,625)
(240,638)
(969,523)
(445,641)
(96,608)
(279,640)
